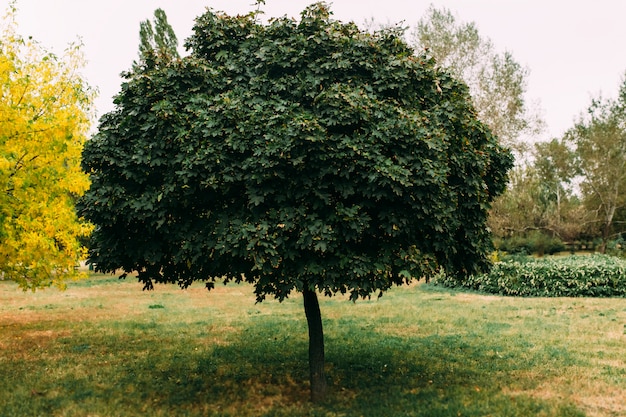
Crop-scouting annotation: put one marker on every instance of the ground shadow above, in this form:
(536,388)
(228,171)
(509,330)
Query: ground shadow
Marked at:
(262,370)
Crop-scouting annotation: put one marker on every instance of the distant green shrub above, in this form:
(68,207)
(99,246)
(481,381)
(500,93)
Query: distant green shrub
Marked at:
(537,242)
(617,247)
(572,276)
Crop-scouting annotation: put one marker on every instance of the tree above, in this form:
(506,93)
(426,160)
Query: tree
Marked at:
(44,118)
(541,198)
(158,43)
(536,209)
(516,211)
(497,81)
(302,157)
(599,143)
(554,164)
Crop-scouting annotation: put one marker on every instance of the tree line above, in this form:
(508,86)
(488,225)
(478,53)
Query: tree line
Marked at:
(572,189)
(563,193)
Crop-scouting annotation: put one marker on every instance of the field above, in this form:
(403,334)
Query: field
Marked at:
(104,347)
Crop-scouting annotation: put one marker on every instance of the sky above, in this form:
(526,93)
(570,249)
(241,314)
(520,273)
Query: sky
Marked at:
(574,49)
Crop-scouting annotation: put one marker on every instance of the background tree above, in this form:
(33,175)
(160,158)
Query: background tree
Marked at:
(539,211)
(599,143)
(497,81)
(44,117)
(498,85)
(564,215)
(516,212)
(299,156)
(158,43)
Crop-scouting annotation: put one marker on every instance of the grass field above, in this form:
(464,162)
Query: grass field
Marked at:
(105,348)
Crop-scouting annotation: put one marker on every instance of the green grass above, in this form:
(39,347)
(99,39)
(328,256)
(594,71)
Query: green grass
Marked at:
(106,348)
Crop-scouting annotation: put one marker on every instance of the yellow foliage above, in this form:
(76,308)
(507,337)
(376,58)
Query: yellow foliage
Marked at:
(45,109)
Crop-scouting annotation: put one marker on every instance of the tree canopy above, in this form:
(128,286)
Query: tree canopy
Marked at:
(303,156)
(44,118)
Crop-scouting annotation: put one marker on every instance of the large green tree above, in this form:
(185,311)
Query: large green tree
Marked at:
(299,156)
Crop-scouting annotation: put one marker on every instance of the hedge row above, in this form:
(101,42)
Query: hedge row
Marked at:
(571,276)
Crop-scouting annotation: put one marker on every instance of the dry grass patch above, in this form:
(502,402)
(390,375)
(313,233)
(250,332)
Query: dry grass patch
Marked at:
(595,398)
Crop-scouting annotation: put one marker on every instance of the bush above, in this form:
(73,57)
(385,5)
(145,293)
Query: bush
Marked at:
(617,247)
(572,276)
(537,242)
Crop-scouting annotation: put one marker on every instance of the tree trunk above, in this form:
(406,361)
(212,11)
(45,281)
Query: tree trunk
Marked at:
(606,231)
(316,346)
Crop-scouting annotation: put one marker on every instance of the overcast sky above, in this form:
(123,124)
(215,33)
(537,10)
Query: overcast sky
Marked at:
(574,49)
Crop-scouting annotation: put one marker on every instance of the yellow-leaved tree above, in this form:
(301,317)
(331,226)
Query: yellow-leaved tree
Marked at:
(45,112)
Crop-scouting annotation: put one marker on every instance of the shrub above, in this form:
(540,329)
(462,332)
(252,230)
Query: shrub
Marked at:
(573,276)
(617,247)
(537,242)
